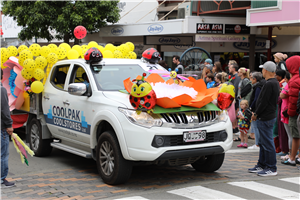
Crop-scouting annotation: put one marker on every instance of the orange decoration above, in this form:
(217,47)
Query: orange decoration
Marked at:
(203,97)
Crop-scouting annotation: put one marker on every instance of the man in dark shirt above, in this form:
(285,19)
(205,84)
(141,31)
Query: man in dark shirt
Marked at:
(179,67)
(6,130)
(265,115)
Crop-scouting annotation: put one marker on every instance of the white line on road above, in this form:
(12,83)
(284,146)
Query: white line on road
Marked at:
(242,150)
(267,189)
(196,192)
(295,180)
(134,197)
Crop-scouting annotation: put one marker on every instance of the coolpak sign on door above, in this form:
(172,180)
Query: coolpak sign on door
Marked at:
(221,38)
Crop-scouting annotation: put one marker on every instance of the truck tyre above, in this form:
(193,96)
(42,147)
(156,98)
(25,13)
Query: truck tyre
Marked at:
(112,167)
(208,164)
(40,147)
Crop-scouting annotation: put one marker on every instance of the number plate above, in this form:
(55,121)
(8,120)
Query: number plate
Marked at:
(194,136)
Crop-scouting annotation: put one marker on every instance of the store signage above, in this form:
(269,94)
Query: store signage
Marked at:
(184,47)
(221,38)
(209,28)
(155,28)
(166,40)
(260,44)
(117,31)
(237,29)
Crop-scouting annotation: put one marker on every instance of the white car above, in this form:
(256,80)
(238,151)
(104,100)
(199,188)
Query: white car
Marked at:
(82,111)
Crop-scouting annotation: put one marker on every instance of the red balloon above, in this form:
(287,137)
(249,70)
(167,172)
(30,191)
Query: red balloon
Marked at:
(80,32)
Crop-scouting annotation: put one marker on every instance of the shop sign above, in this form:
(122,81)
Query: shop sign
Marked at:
(166,40)
(155,28)
(221,38)
(117,31)
(209,28)
(237,29)
(260,44)
(184,47)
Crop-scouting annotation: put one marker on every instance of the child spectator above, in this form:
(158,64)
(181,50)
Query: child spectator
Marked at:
(243,124)
(218,80)
(209,80)
(284,95)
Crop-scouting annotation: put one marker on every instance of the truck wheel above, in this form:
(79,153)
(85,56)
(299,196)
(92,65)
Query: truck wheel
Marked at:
(208,164)
(39,146)
(112,167)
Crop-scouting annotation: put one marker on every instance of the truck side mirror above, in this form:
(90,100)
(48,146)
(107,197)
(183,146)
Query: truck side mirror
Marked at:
(77,89)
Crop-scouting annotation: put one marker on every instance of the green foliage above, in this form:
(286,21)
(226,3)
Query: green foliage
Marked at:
(38,18)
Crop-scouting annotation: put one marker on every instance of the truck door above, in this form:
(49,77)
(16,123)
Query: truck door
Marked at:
(78,108)
(52,101)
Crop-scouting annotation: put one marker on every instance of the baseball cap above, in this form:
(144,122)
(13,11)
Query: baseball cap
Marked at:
(208,61)
(269,66)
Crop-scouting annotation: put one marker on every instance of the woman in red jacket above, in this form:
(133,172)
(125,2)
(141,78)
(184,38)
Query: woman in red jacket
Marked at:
(292,65)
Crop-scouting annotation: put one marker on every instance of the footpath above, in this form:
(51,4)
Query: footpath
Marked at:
(71,183)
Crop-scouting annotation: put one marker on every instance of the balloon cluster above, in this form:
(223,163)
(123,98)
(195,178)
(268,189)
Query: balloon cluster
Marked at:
(35,59)
(123,51)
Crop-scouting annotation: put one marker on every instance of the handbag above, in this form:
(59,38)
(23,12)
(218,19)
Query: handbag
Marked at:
(285,113)
(248,113)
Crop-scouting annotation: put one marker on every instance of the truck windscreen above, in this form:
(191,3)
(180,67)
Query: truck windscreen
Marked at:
(111,77)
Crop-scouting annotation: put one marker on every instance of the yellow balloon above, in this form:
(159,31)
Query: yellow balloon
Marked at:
(2,62)
(118,54)
(92,44)
(21,48)
(78,49)
(66,46)
(124,49)
(29,64)
(40,62)
(13,51)
(37,87)
(72,54)
(26,74)
(61,52)
(35,49)
(108,54)
(38,74)
(52,47)
(130,45)
(4,56)
(84,49)
(110,47)
(52,58)
(25,54)
(101,48)
(131,55)
(45,50)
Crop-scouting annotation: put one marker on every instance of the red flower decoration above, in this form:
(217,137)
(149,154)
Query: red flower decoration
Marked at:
(144,74)
(233,78)
(229,76)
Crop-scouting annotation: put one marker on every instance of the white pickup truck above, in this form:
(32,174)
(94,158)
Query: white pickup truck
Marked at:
(82,111)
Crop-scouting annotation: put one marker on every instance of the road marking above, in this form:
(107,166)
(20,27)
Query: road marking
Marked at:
(205,193)
(295,180)
(267,189)
(134,197)
(242,151)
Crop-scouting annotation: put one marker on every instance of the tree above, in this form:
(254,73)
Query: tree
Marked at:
(39,18)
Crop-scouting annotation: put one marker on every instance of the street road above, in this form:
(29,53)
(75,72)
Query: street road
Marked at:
(66,176)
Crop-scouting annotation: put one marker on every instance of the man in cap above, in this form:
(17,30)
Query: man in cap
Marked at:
(265,115)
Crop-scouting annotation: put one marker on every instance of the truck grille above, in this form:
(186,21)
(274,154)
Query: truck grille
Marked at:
(177,140)
(189,119)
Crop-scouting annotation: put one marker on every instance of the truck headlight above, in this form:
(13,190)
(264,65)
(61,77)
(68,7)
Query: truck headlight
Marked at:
(223,116)
(143,119)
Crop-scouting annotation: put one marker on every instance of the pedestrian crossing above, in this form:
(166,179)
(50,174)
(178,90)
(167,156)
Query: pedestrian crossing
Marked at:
(284,188)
